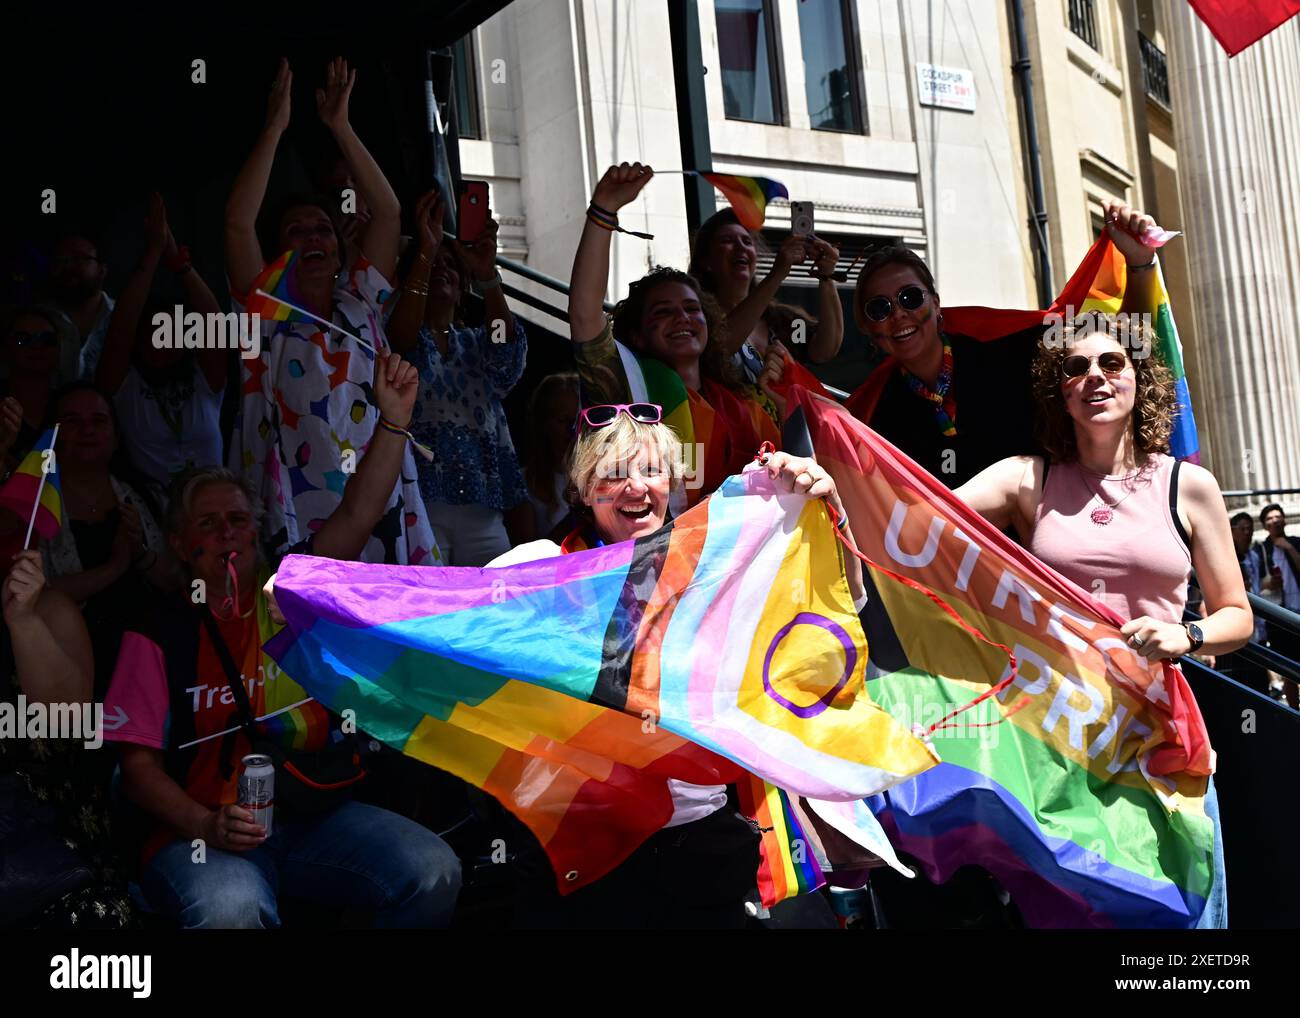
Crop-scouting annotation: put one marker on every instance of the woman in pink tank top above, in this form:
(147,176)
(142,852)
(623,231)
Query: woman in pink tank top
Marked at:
(1113,511)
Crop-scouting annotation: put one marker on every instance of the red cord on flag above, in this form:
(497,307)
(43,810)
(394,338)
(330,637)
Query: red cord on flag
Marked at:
(948,609)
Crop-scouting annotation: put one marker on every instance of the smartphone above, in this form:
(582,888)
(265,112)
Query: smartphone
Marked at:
(801,218)
(471,210)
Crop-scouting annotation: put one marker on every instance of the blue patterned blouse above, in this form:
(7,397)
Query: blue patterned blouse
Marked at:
(458,414)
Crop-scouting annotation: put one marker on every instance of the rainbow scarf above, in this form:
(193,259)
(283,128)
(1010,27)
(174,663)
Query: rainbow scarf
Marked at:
(280,279)
(945,407)
(574,687)
(749,196)
(19,493)
(1080,786)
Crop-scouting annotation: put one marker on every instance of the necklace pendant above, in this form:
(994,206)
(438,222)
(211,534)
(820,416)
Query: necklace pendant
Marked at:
(1102,515)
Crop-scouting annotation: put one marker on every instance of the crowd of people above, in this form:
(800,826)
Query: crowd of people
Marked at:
(325,458)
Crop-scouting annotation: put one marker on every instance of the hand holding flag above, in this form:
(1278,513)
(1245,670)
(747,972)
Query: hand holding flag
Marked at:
(23,586)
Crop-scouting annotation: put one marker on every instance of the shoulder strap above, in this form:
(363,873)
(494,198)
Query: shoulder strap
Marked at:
(237,689)
(1173,504)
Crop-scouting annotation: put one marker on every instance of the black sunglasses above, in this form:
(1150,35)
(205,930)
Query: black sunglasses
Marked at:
(909,298)
(1112,362)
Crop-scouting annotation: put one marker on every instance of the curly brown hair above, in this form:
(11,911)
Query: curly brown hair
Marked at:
(630,311)
(1155,402)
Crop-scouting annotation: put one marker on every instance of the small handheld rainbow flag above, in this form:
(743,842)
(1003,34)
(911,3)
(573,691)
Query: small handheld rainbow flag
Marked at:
(278,280)
(33,489)
(274,297)
(748,195)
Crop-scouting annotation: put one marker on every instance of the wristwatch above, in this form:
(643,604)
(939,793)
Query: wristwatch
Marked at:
(1195,635)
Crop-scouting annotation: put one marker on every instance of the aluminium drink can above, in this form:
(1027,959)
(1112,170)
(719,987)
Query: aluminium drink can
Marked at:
(257,788)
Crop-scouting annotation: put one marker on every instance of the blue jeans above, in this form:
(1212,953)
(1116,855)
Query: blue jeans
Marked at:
(356,856)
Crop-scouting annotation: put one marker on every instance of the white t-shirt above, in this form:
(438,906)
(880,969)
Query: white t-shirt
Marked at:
(690,802)
(164,440)
(1290,588)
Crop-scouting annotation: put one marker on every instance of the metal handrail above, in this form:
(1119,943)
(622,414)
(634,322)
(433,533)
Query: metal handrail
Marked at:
(1258,654)
(1191,664)
(1275,614)
(542,279)
(1247,492)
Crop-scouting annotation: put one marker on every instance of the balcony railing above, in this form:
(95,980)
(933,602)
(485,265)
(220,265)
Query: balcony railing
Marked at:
(1155,70)
(1083,21)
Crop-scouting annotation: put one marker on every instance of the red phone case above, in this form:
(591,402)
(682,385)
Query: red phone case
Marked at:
(472,212)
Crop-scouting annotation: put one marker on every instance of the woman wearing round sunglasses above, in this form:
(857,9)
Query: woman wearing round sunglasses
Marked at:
(1110,509)
(953,403)
(666,319)
(698,871)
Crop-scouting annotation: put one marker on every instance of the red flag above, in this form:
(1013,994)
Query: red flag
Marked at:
(1241,23)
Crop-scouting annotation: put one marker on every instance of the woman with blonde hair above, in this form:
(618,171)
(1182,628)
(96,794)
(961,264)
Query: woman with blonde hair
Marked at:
(700,868)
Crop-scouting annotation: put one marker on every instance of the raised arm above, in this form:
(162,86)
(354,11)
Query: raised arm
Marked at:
(590,277)
(124,324)
(742,319)
(379,241)
(214,363)
(404,324)
(481,257)
(828,337)
(1126,227)
(243,252)
(367,492)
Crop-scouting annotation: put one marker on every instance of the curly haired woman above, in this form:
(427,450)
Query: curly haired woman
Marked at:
(1110,509)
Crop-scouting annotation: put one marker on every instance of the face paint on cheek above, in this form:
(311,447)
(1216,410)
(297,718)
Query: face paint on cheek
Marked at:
(924,313)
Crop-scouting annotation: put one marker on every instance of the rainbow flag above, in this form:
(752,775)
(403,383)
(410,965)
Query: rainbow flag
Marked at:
(748,196)
(1107,294)
(788,863)
(1081,785)
(574,687)
(280,279)
(19,493)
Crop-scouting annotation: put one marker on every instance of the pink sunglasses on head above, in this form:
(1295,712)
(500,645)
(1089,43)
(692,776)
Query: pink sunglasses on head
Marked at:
(606,414)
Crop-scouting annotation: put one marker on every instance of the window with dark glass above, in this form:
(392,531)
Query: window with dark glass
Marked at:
(830,67)
(747,50)
(464,82)
(1083,22)
(1155,70)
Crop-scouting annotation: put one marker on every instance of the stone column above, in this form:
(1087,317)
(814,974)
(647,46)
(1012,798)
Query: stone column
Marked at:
(1237,127)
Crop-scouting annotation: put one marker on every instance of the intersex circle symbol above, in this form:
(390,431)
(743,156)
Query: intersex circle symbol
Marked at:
(850,660)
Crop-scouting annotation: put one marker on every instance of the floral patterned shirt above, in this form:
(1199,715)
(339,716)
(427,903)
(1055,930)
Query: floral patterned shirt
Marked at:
(458,414)
(307,413)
